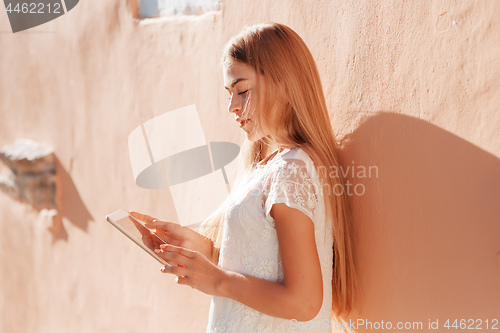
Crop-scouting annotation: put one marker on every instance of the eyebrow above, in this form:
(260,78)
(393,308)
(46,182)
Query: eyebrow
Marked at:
(236,81)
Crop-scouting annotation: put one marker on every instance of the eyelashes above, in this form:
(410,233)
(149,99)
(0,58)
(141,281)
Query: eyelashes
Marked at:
(243,93)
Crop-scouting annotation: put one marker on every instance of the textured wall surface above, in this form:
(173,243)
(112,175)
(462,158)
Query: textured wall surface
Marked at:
(412,88)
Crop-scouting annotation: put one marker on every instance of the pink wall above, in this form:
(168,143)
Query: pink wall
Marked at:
(412,88)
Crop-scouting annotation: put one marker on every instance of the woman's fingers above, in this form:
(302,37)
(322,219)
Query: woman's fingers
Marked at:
(153,223)
(163,229)
(158,225)
(183,280)
(178,258)
(174,234)
(173,257)
(142,217)
(179,250)
(176,270)
(192,268)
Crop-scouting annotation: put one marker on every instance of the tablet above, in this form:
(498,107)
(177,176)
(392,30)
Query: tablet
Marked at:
(132,227)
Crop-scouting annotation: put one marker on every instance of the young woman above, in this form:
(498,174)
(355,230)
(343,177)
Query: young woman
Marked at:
(277,255)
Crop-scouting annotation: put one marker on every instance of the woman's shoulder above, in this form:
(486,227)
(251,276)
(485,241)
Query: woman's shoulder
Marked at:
(296,153)
(298,156)
(297,159)
(290,161)
(292,179)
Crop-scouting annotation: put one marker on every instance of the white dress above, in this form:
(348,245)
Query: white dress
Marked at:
(250,244)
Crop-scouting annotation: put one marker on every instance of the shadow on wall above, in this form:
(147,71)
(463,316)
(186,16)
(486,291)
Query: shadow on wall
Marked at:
(70,206)
(427,227)
(35,176)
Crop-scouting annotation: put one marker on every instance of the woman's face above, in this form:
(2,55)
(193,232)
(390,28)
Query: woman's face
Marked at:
(245,97)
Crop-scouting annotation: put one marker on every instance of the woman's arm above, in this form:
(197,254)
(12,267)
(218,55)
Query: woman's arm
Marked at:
(299,296)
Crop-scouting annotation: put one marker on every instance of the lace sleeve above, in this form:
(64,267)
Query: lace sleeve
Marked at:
(291,183)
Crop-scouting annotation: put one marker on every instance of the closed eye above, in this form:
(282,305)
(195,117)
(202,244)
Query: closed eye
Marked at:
(243,92)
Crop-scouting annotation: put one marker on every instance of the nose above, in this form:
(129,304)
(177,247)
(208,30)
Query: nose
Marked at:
(234,104)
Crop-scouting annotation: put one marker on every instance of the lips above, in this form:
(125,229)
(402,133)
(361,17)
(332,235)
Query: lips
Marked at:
(242,122)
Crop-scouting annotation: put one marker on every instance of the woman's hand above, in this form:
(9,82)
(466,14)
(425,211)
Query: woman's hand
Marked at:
(174,234)
(192,268)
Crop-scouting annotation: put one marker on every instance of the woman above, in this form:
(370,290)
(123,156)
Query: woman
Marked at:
(276,271)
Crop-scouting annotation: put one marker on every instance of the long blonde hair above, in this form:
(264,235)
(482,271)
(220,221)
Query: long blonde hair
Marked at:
(284,61)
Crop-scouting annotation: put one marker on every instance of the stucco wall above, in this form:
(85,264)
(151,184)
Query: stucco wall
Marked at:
(412,88)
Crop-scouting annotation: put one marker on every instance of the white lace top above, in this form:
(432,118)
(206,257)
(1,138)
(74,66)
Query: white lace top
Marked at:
(250,245)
